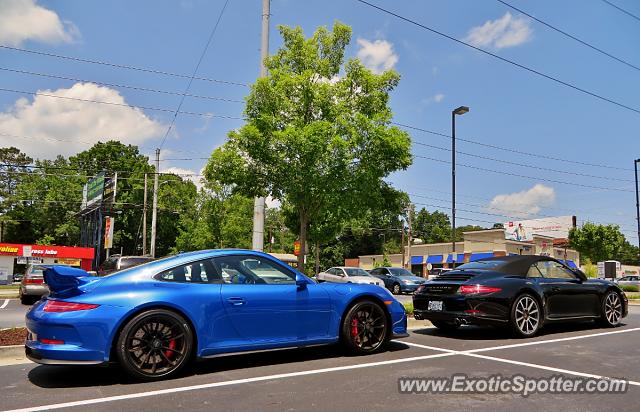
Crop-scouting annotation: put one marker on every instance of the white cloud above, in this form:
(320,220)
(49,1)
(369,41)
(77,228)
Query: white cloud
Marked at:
(525,203)
(187,174)
(438,97)
(507,31)
(377,55)
(22,20)
(76,124)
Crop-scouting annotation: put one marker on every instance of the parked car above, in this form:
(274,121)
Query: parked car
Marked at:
(522,292)
(344,274)
(116,263)
(398,280)
(155,318)
(17,277)
(32,286)
(631,280)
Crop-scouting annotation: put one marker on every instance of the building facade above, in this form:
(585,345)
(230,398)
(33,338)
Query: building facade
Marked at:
(476,245)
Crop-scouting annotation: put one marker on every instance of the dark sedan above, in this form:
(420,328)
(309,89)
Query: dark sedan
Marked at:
(522,292)
(398,280)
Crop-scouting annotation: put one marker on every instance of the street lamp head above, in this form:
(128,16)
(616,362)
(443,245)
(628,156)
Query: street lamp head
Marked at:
(461,110)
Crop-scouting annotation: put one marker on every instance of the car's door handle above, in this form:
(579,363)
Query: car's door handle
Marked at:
(236,301)
(555,289)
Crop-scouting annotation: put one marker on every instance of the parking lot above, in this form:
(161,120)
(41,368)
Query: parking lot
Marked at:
(12,313)
(324,378)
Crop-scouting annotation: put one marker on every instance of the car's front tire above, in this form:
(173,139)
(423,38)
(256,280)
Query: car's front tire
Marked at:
(611,315)
(154,345)
(365,327)
(526,316)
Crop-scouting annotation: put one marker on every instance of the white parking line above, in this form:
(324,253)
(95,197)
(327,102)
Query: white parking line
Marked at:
(226,383)
(445,353)
(4,305)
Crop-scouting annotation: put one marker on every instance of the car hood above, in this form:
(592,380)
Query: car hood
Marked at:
(364,279)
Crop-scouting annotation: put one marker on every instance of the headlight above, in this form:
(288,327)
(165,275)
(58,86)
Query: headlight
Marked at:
(406,282)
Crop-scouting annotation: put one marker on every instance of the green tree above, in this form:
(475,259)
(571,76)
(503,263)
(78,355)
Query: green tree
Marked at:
(597,242)
(312,139)
(432,227)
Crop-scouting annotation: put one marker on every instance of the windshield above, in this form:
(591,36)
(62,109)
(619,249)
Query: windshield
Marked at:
(356,272)
(400,272)
(482,265)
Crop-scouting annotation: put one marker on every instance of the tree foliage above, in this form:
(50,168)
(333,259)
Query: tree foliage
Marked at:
(315,138)
(597,242)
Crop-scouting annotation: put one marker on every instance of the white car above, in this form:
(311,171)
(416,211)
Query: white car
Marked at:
(342,274)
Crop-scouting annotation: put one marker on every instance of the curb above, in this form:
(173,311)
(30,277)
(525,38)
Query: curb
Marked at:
(12,355)
(413,324)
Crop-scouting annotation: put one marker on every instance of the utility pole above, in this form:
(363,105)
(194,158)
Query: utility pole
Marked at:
(409,234)
(635,164)
(459,111)
(154,212)
(144,218)
(258,205)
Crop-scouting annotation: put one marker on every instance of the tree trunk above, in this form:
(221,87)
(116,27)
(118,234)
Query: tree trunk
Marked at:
(317,251)
(303,241)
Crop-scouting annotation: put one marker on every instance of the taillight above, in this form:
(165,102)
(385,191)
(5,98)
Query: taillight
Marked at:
(34,281)
(51,341)
(477,289)
(61,306)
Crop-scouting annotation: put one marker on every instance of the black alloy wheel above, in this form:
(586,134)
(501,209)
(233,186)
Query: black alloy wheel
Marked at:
(611,309)
(525,316)
(365,327)
(155,344)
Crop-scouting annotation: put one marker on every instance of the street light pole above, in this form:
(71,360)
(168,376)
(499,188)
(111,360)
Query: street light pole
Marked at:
(635,164)
(459,111)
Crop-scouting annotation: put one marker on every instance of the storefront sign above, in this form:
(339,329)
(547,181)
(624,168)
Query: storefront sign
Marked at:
(8,250)
(296,248)
(108,232)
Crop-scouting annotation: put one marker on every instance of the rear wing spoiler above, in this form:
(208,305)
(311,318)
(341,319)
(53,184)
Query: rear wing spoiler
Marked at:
(66,281)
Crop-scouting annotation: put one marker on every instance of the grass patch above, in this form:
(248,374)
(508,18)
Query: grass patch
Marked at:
(630,288)
(408,307)
(632,295)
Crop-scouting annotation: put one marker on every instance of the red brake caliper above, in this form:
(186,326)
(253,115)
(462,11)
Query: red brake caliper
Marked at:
(172,345)
(354,327)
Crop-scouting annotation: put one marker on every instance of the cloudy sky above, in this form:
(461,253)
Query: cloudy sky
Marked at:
(512,110)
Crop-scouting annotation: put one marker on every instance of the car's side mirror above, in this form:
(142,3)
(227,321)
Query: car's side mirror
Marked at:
(301,281)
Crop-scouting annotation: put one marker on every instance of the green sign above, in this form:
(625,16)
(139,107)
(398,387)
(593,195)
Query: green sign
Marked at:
(95,189)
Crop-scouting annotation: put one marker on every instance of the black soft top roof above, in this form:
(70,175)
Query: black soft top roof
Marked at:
(516,265)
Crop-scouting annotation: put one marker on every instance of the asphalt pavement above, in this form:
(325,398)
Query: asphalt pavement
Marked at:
(325,378)
(12,313)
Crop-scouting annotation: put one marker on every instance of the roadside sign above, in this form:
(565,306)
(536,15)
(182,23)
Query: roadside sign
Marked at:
(108,232)
(296,248)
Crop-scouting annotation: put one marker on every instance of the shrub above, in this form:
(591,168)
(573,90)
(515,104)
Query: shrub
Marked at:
(630,288)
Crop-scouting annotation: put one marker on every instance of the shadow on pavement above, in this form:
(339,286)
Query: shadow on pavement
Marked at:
(488,333)
(49,376)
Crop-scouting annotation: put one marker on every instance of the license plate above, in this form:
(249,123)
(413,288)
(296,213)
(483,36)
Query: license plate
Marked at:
(435,305)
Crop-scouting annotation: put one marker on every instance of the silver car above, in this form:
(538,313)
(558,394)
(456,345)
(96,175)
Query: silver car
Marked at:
(631,280)
(344,274)
(32,286)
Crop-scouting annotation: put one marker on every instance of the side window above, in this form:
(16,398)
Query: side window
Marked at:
(534,272)
(331,271)
(554,270)
(376,272)
(202,271)
(250,270)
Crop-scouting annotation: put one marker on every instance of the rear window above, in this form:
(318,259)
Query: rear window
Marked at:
(134,261)
(482,265)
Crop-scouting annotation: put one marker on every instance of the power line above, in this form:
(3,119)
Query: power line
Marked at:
(633,66)
(523,176)
(195,71)
(120,66)
(512,62)
(628,13)
(125,86)
(131,106)
(523,165)
(510,150)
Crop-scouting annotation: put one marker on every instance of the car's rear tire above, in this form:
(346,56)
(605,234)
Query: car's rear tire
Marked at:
(365,327)
(611,311)
(445,326)
(526,316)
(155,344)
(395,289)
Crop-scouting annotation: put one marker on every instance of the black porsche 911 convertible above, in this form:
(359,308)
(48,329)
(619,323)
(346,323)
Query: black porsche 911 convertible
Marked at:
(523,292)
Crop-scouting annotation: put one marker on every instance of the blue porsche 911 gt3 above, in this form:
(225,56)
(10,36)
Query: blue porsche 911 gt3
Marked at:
(154,318)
